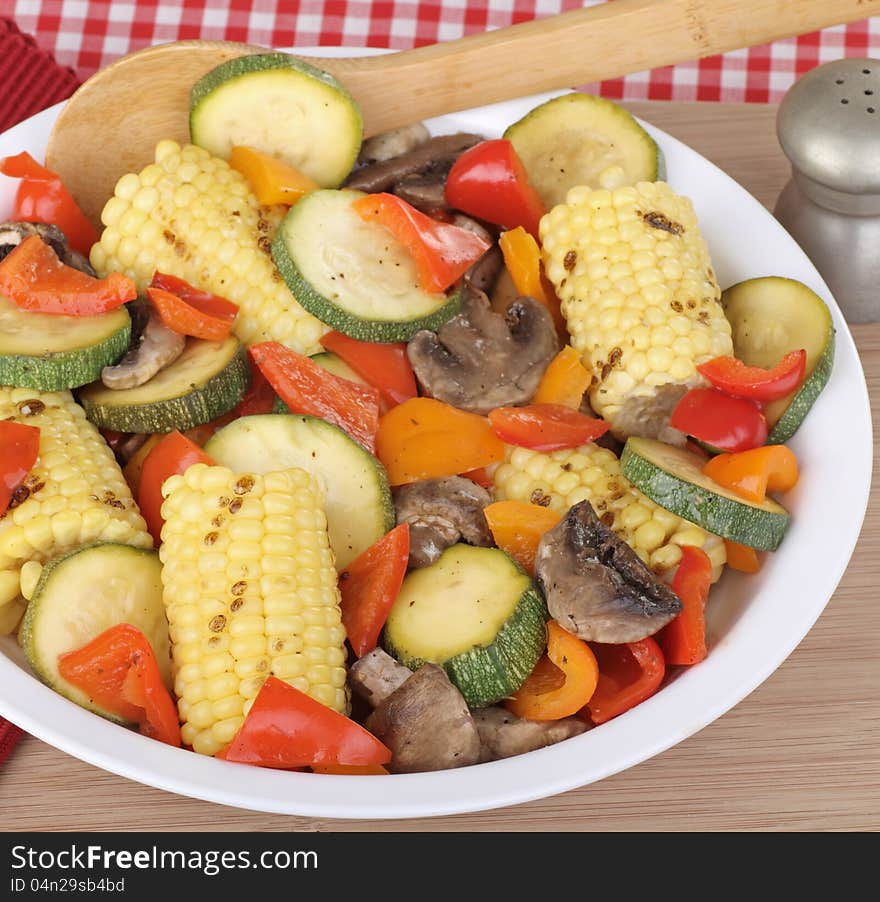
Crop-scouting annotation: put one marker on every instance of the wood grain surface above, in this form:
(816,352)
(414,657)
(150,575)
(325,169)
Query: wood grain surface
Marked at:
(800,753)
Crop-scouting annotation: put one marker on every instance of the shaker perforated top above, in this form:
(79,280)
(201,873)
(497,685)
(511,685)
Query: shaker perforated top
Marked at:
(829,125)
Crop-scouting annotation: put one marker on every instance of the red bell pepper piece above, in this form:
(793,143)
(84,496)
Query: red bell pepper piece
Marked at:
(172,454)
(725,423)
(442,252)
(33,278)
(181,317)
(41,197)
(369,586)
(19,447)
(286,728)
(545,427)
(736,379)
(118,671)
(306,387)
(480,476)
(384,366)
(258,399)
(683,640)
(489,181)
(628,674)
(189,311)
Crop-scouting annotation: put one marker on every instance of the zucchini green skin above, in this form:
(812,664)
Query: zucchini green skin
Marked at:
(805,397)
(201,405)
(243,66)
(30,633)
(487,674)
(385,331)
(738,521)
(64,369)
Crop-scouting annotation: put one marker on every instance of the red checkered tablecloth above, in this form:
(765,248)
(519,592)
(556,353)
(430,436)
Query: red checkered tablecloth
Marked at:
(88,34)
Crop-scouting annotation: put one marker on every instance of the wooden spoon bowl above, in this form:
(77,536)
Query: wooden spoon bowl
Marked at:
(112,123)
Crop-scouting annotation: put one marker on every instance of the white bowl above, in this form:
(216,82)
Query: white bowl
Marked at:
(754,621)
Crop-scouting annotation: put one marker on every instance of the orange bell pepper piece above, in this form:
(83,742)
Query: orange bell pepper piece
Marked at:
(565,381)
(517,527)
(522,257)
(535,700)
(186,319)
(425,439)
(742,558)
(272,180)
(751,474)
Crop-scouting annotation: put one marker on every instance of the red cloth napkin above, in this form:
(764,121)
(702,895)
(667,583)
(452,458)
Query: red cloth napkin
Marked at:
(31,78)
(31,81)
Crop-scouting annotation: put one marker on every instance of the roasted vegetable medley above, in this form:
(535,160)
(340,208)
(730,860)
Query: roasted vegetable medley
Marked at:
(386,455)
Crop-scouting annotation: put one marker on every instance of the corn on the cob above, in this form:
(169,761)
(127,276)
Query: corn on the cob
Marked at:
(640,299)
(192,216)
(561,479)
(250,589)
(74,495)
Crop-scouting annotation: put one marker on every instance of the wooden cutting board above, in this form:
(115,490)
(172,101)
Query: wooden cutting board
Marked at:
(801,753)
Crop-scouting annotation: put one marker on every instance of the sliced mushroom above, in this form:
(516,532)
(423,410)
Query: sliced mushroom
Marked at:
(424,191)
(480,359)
(436,153)
(595,585)
(483,274)
(441,512)
(503,735)
(426,724)
(156,347)
(13,233)
(376,675)
(393,143)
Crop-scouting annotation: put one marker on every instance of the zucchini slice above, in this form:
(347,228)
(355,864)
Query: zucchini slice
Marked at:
(357,498)
(353,275)
(476,613)
(769,317)
(207,380)
(573,139)
(281,106)
(674,479)
(84,593)
(52,353)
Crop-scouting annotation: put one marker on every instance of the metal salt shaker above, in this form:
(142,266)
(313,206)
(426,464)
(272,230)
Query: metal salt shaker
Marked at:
(829,127)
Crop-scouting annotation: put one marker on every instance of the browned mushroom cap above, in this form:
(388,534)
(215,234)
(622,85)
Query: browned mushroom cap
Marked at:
(503,735)
(376,675)
(480,359)
(393,143)
(440,512)
(437,153)
(595,585)
(13,233)
(426,724)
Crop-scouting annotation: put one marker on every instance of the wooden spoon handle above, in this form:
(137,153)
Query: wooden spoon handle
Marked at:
(574,48)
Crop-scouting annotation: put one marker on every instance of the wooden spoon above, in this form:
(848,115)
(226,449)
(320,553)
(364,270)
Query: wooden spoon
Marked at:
(112,123)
